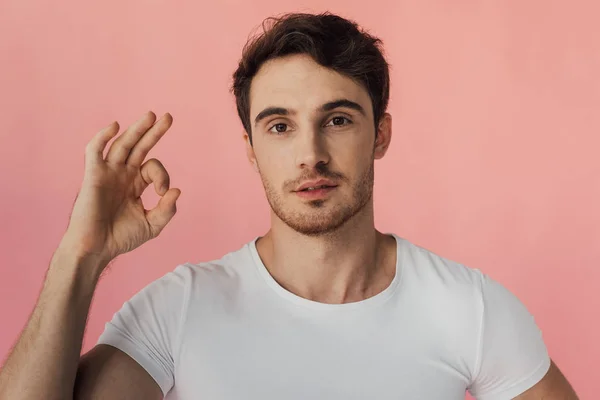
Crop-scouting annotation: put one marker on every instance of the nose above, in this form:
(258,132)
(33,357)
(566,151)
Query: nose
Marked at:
(311,149)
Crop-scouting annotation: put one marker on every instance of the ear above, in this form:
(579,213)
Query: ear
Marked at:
(384,136)
(250,152)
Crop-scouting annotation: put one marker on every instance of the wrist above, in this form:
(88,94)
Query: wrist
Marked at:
(69,258)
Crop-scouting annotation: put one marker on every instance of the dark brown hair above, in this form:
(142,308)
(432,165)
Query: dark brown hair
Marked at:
(332,41)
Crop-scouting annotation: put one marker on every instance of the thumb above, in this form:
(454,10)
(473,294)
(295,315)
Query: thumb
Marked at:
(164,211)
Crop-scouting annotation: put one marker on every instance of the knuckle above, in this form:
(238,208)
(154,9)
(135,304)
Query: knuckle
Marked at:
(156,171)
(154,164)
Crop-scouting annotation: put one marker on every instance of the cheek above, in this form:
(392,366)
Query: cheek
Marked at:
(271,171)
(354,159)
(273,159)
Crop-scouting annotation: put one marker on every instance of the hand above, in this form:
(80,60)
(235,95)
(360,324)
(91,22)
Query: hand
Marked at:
(108,216)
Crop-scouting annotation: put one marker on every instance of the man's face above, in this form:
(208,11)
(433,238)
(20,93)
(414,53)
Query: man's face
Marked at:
(312,126)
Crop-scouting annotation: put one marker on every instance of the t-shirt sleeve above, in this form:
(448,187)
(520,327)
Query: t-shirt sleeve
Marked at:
(147,327)
(512,356)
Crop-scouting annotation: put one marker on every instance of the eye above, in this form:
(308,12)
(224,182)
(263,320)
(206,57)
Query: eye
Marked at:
(339,121)
(279,128)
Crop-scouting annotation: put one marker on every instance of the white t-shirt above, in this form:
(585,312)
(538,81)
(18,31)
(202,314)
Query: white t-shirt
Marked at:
(227,330)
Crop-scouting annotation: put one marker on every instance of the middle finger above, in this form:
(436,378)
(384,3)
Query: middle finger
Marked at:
(119,150)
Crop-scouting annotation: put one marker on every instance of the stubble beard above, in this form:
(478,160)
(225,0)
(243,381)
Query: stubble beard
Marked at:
(320,217)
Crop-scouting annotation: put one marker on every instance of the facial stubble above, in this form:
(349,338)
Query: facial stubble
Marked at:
(320,217)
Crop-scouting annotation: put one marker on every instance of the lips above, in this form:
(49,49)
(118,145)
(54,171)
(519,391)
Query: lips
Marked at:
(314,185)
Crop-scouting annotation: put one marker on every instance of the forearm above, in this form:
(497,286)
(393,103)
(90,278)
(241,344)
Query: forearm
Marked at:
(43,363)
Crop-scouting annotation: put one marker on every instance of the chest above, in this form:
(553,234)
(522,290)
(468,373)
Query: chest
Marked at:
(294,358)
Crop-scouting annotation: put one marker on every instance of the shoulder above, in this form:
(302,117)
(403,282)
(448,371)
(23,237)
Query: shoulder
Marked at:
(430,270)
(490,324)
(212,276)
(457,286)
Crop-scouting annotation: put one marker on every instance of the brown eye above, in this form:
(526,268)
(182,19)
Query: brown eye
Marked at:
(339,121)
(279,128)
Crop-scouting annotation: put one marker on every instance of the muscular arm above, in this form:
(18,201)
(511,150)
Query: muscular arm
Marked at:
(43,364)
(108,373)
(553,386)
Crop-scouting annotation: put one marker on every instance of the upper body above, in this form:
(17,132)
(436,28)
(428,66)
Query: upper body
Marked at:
(321,306)
(227,329)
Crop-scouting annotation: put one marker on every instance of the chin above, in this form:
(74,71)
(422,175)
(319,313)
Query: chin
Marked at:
(318,229)
(319,219)
(319,216)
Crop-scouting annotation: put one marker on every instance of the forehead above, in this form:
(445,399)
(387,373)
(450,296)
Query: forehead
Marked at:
(297,82)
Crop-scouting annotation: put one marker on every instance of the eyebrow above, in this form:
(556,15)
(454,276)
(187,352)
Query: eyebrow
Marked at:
(332,105)
(267,112)
(343,103)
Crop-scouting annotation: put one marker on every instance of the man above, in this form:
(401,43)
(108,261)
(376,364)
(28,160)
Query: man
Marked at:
(322,306)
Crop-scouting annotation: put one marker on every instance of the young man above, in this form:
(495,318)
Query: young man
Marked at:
(322,306)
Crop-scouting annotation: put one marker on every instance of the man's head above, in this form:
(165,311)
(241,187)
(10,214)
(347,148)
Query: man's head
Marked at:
(312,93)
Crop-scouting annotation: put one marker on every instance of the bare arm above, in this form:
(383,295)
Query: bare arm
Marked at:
(553,386)
(108,219)
(49,346)
(107,373)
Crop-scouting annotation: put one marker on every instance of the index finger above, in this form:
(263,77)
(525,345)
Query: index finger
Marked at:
(94,151)
(146,143)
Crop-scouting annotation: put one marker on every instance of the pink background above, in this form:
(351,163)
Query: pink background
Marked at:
(493,163)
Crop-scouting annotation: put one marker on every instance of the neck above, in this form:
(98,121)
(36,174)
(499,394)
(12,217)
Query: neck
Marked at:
(351,264)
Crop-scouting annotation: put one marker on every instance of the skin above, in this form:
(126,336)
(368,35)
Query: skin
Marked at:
(108,219)
(326,250)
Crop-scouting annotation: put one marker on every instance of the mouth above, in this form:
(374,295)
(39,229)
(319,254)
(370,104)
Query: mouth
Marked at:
(313,188)
(316,192)
(316,184)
